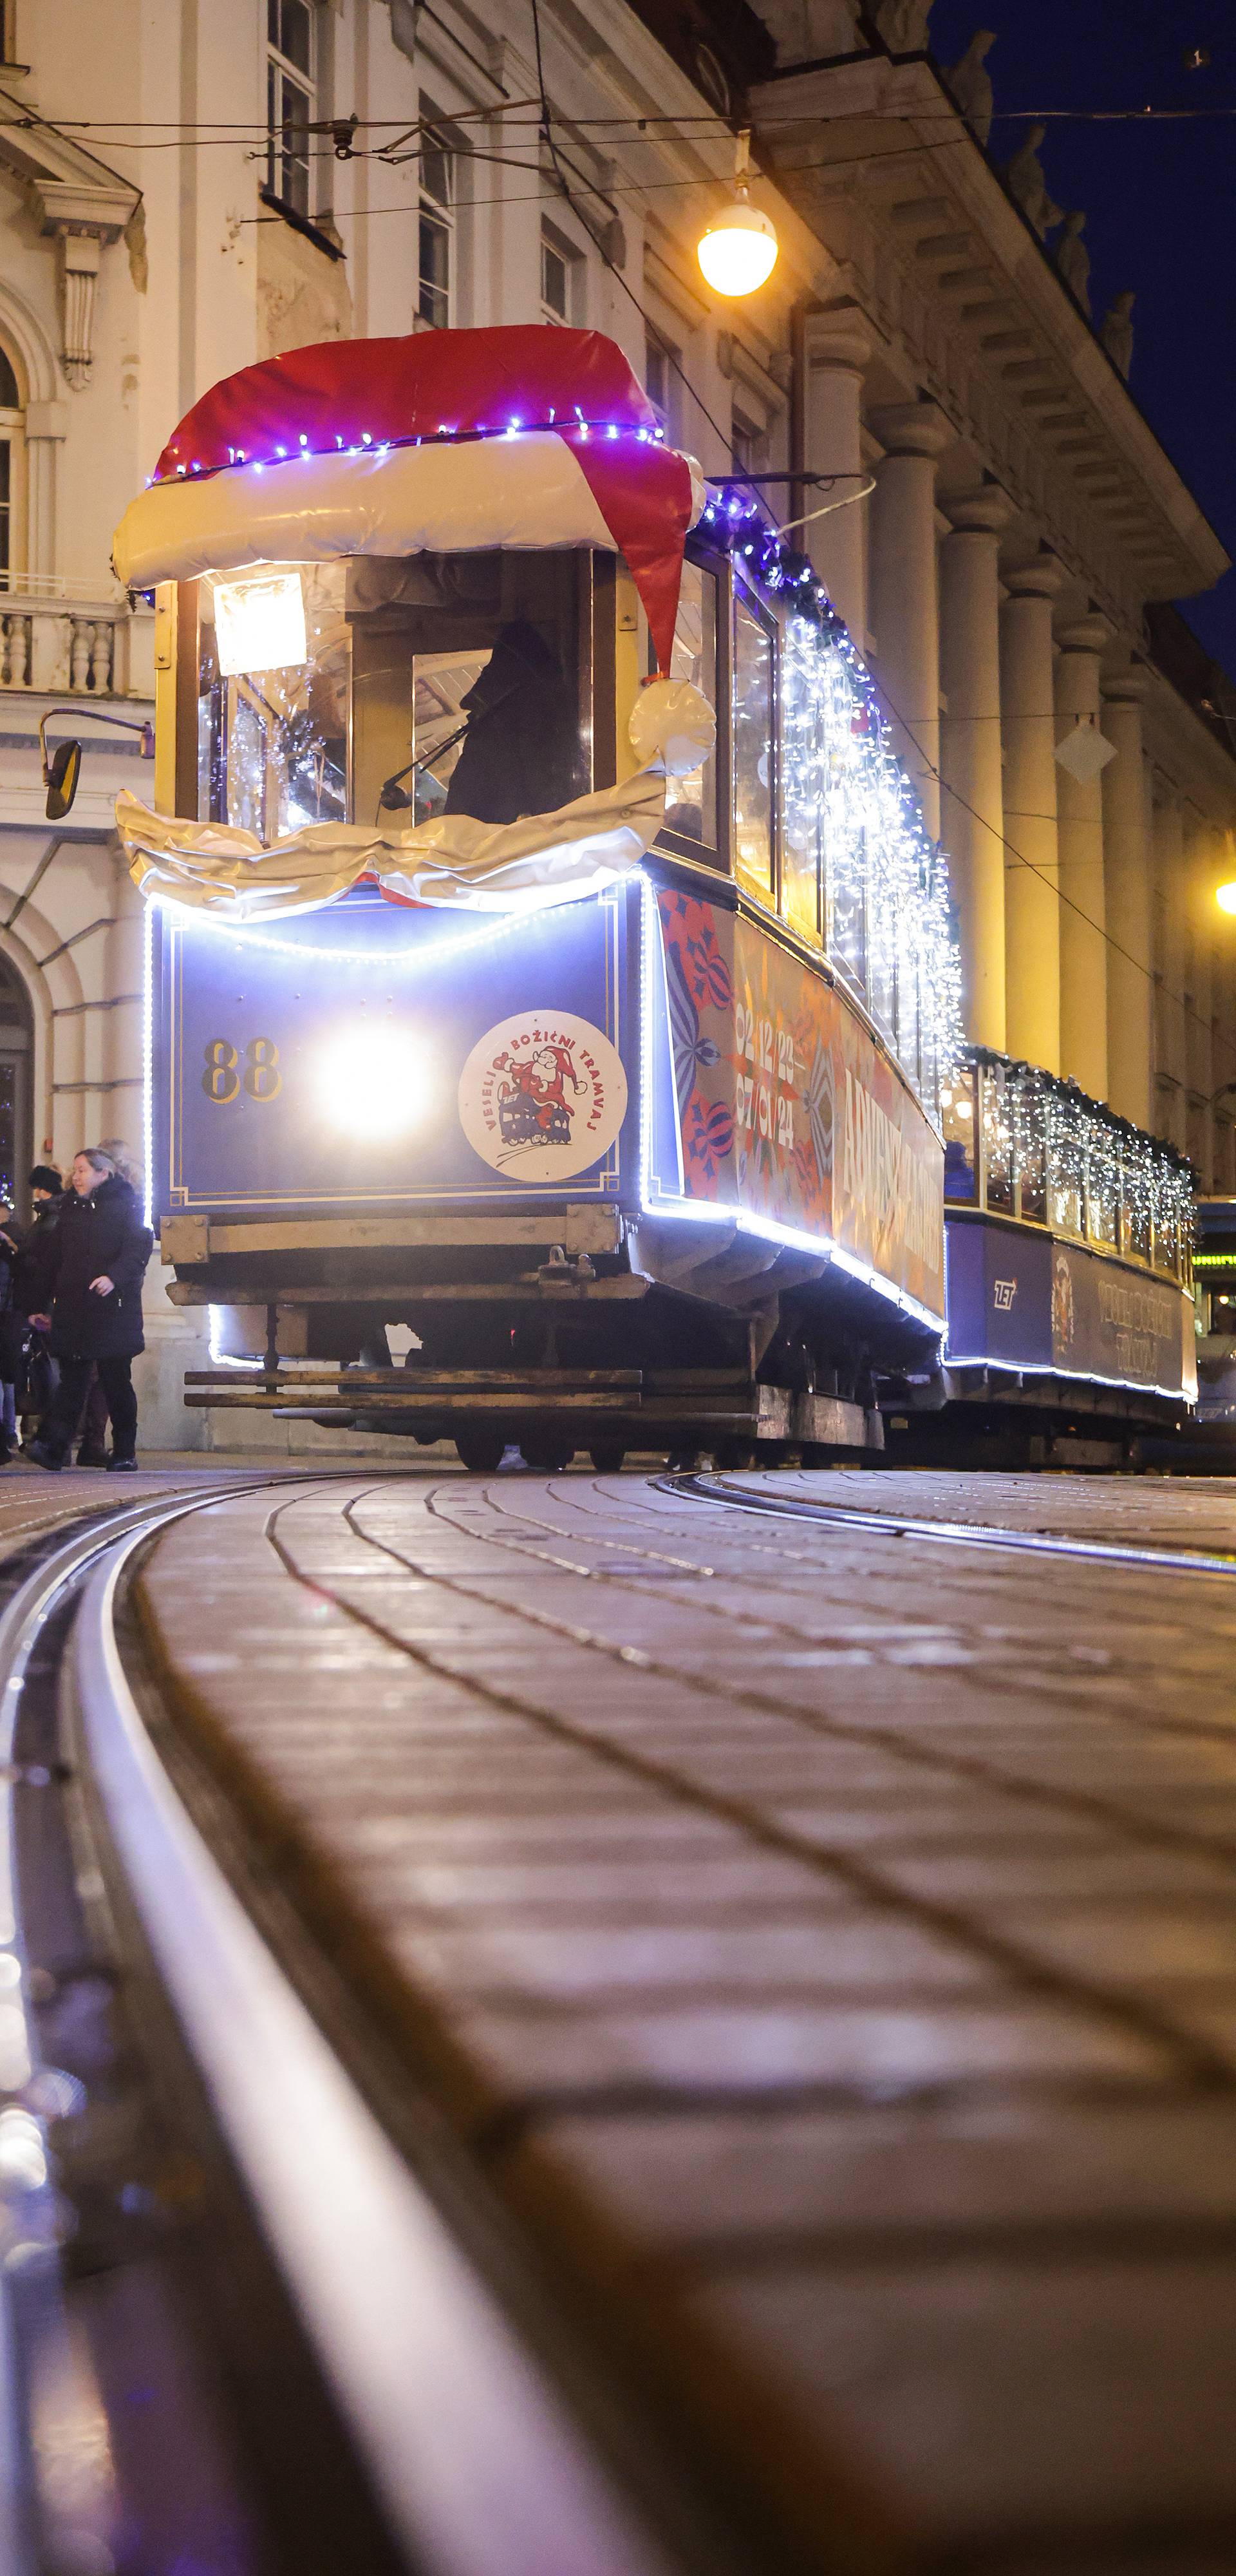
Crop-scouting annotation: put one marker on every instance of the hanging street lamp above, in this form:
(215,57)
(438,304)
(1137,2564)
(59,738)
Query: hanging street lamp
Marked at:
(738,248)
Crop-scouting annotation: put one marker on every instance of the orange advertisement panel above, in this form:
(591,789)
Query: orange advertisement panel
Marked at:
(786,1105)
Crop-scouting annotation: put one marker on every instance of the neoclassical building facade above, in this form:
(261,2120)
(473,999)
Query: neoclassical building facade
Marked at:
(184,189)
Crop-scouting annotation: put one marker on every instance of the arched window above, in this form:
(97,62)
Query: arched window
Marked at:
(12,473)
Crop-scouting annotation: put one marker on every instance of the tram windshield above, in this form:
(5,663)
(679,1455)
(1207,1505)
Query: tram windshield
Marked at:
(412,687)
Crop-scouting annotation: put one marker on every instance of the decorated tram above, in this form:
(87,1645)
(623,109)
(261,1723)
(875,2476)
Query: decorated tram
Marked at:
(546,955)
(548,968)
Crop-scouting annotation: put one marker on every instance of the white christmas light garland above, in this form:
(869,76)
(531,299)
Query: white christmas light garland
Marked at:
(890,926)
(1088,1163)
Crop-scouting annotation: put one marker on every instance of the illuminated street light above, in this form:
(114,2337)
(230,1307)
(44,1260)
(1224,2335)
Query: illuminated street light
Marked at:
(1225,897)
(737,250)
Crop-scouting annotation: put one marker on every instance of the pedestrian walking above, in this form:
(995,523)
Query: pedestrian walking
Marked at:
(95,1317)
(10,1330)
(93,1428)
(33,1271)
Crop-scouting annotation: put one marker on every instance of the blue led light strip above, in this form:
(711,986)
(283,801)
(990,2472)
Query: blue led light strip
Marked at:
(185,917)
(570,426)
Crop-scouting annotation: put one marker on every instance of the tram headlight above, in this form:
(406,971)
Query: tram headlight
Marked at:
(374,1083)
(260,623)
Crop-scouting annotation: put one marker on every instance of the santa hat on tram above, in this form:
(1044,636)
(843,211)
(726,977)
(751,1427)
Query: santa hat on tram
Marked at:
(526,435)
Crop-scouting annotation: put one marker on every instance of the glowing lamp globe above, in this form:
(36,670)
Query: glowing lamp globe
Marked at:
(1225,897)
(738,251)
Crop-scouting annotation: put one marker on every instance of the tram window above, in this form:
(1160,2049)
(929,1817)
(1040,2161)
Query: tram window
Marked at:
(1102,1195)
(803,776)
(882,959)
(272,740)
(691,803)
(957,1120)
(1030,1160)
(427,684)
(997,1140)
(847,906)
(1064,1184)
(753,752)
(467,685)
(909,1023)
(1135,1211)
(1166,1230)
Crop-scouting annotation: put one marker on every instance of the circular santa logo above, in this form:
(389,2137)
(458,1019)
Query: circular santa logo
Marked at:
(542,1096)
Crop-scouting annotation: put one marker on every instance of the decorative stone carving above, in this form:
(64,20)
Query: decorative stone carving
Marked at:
(82,216)
(1023,177)
(1116,330)
(79,274)
(1073,260)
(903,25)
(970,83)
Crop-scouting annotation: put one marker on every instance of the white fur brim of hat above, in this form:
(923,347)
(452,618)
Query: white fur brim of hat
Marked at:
(521,491)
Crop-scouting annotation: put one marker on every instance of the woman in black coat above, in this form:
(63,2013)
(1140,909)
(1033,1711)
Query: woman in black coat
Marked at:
(101,1249)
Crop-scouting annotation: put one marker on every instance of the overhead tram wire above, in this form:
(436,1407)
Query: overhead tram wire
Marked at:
(666,346)
(220,129)
(1054,887)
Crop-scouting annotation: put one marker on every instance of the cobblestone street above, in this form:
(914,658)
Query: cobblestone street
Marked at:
(823,1938)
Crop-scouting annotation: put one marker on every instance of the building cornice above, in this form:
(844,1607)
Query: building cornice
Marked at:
(947,267)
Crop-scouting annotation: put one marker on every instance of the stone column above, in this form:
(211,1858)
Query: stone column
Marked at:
(1126,872)
(971,767)
(1031,884)
(1223,1050)
(904,605)
(837,353)
(47,426)
(1171,1059)
(1199,995)
(1079,830)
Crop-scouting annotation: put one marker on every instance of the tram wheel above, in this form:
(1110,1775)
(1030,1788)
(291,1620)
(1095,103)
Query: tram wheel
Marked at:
(480,1450)
(736,1453)
(547,1455)
(607,1456)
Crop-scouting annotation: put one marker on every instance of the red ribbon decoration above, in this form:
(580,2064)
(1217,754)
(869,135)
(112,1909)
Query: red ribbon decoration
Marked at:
(360,394)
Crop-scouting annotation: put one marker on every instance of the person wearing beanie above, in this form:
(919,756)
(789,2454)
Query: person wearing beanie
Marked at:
(23,1350)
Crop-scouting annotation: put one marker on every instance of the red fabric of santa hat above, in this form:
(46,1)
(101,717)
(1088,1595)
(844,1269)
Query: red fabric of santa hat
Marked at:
(361,399)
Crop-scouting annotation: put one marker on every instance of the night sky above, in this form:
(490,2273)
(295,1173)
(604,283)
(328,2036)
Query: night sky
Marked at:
(1160,203)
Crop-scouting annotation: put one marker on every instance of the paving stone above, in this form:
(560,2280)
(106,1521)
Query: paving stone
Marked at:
(991,2396)
(869,2180)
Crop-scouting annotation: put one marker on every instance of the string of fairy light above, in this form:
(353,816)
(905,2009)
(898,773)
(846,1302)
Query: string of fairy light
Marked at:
(1093,1171)
(842,783)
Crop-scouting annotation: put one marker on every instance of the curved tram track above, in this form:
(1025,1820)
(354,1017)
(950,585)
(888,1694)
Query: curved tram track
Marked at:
(443,2443)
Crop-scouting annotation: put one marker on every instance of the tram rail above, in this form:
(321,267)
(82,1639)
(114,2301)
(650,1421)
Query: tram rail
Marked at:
(458,2453)
(717,1487)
